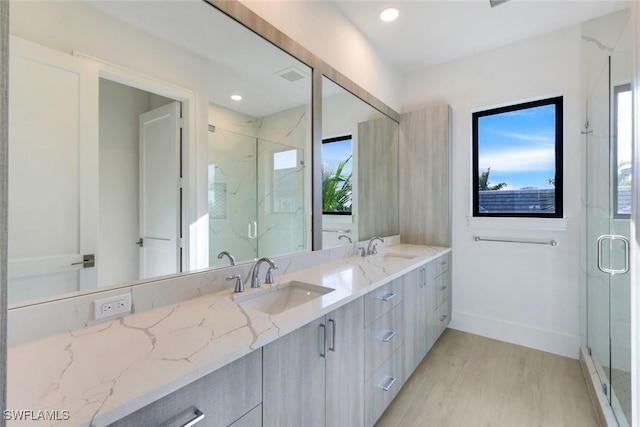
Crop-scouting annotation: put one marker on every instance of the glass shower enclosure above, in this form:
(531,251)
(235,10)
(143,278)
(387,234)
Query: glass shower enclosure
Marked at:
(256,196)
(608,131)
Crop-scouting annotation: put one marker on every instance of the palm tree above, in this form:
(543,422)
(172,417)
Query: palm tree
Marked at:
(336,189)
(483,182)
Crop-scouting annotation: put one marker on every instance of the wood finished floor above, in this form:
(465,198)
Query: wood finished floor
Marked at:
(471,381)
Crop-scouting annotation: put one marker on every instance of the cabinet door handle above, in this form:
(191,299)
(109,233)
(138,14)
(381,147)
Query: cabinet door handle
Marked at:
(390,382)
(332,347)
(443,317)
(322,340)
(389,336)
(443,288)
(388,296)
(198,416)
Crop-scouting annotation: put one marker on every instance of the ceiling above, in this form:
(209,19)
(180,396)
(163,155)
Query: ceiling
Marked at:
(432,32)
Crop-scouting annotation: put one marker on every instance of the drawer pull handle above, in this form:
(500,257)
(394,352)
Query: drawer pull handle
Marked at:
(443,288)
(332,322)
(322,340)
(389,296)
(198,416)
(390,382)
(389,336)
(443,317)
(443,262)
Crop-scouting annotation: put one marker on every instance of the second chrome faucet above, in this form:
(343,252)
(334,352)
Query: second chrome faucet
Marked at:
(253,278)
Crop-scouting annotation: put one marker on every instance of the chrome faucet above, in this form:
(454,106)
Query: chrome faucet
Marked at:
(344,236)
(255,268)
(232,259)
(372,248)
(239,284)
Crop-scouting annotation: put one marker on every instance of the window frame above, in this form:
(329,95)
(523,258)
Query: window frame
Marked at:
(625,87)
(338,139)
(558,102)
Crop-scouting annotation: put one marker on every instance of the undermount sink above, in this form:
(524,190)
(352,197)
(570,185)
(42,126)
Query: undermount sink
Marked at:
(391,257)
(286,296)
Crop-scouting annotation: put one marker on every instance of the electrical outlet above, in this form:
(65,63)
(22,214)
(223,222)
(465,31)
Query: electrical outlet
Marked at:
(112,306)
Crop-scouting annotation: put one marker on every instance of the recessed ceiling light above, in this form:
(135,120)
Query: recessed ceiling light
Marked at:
(236,97)
(389,14)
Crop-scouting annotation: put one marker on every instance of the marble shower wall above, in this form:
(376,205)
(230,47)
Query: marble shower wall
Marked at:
(284,182)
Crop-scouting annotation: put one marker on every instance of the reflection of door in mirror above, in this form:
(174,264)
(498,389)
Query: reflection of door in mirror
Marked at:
(138,184)
(51,150)
(59,155)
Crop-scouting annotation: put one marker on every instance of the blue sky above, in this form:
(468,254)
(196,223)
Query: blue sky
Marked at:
(519,147)
(334,152)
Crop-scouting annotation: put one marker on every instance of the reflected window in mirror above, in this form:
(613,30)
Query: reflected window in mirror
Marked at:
(373,166)
(337,175)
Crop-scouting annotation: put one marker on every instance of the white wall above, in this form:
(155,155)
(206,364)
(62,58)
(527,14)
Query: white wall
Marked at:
(323,30)
(525,294)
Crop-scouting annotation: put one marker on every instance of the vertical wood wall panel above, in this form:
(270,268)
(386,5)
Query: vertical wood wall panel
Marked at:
(425,176)
(378,178)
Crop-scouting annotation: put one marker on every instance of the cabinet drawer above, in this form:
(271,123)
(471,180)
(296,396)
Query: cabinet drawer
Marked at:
(252,418)
(382,300)
(442,264)
(442,289)
(383,386)
(382,338)
(222,396)
(444,316)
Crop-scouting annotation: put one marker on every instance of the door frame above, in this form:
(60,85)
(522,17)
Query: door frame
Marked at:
(125,76)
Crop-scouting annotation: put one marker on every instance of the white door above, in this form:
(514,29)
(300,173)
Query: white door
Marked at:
(160,191)
(53,173)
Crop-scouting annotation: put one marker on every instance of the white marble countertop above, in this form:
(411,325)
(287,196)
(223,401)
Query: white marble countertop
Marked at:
(102,373)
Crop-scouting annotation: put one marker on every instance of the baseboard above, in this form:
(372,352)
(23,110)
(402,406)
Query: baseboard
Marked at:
(601,407)
(515,333)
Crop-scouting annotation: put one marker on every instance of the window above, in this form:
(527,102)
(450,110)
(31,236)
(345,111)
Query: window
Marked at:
(622,130)
(337,175)
(517,160)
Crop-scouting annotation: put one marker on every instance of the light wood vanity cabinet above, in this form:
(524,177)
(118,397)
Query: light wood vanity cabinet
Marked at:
(442,289)
(384,347)
(342,369)
(419,335)
(224,397)
(427,309)
(314,376)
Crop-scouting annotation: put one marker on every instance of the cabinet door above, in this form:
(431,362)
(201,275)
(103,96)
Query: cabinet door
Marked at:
(345,365)
(294,378)
(416,312)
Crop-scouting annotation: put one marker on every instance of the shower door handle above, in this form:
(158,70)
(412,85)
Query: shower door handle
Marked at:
(252,230)
(612,237)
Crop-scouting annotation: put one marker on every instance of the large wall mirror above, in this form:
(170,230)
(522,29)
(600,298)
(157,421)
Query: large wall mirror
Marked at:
(359,169)
(146,138)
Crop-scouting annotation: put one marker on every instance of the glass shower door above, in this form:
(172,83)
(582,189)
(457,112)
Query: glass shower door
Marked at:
(609,139)
(232,196)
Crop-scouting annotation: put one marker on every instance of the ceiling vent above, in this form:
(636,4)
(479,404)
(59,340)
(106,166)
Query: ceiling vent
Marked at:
(291,74)
(495,3)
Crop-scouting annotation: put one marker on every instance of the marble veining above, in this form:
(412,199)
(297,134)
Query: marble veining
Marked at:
(104,372)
